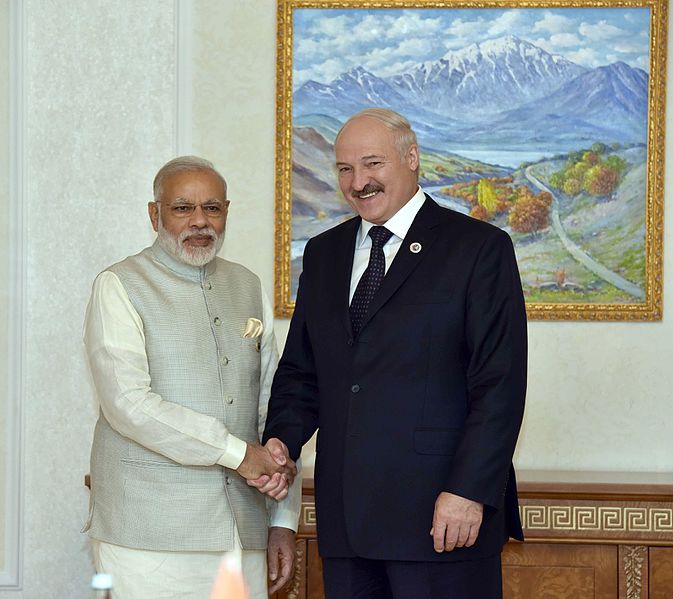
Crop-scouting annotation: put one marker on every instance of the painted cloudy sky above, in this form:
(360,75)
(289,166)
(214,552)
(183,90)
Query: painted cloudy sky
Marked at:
(328,42)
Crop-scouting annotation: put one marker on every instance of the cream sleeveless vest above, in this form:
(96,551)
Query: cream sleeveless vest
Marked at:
(193,319)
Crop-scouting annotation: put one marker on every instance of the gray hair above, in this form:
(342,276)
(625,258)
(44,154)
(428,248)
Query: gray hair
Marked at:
(395,122)
(183,164)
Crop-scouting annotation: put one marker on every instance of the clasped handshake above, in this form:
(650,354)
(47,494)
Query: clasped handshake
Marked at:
(268,468)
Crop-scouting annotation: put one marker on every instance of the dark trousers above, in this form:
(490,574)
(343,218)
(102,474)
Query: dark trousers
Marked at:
(359,578)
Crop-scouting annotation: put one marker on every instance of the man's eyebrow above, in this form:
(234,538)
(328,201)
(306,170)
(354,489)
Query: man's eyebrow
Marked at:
(364,158)
(206,201)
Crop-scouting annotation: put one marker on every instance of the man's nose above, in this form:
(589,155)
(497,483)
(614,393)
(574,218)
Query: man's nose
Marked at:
(360,179)
(198,218)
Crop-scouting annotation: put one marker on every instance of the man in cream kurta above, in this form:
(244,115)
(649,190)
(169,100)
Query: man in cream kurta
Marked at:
(182,352)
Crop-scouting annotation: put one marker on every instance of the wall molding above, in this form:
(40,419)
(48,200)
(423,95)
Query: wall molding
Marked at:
(623,520)
(12,570)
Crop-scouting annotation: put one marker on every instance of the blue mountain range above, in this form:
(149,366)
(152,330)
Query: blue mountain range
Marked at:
(504,91)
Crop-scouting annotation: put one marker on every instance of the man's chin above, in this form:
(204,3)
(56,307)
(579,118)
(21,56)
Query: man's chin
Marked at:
(189,250)
(198,255)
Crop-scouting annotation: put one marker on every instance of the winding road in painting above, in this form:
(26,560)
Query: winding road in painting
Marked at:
(576,252)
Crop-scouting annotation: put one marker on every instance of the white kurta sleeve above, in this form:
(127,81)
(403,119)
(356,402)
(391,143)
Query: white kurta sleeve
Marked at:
(284,513)
(115,345)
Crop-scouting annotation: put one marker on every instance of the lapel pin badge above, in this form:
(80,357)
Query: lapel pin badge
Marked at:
(415,247)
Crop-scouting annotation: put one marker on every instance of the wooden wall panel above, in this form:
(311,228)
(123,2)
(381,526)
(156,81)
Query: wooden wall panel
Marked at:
(661,573)
(551,571)
(590,536)
(314,585)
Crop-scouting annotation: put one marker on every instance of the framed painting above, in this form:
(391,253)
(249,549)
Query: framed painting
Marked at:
(545,119)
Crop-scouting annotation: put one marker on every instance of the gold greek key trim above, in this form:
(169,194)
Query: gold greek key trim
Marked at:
(308,517)
(597,518)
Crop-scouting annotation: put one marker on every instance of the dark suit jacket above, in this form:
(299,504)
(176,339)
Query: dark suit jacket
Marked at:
(428,398)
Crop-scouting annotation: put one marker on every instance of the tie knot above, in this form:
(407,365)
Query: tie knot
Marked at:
(379,235)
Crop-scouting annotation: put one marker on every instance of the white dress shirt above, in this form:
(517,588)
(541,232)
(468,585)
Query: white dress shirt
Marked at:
(398,225)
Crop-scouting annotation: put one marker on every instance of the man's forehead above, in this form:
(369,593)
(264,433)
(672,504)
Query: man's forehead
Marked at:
(365,137)
(180,182)
(195,175)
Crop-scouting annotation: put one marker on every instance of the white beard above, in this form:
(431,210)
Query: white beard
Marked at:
(194,256)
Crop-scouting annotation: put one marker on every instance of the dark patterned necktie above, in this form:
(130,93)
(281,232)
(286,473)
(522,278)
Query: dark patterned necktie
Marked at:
(371,278)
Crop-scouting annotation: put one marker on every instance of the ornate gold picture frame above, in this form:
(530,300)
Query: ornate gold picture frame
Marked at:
(543,118)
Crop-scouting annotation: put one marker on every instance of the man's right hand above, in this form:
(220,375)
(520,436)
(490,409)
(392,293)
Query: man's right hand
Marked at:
(276,485)
(259,462)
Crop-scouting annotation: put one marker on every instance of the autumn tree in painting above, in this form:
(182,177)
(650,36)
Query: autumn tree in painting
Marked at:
(486,196)
(479,212)
(601,180)
(498,198)
(590,171)
(530,214)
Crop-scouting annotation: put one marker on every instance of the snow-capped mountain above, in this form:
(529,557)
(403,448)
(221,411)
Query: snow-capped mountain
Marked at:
(348,93)
(485,78)
(608,103)
(505,91)
(605,94)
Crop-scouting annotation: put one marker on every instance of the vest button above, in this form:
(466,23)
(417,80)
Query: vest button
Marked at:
(224,360)
(227,480)
(217,321)
(230,399)
(208,285)
(355,388)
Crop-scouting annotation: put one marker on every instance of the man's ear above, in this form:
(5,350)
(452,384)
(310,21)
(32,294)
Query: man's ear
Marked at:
(153,211)
(412,157)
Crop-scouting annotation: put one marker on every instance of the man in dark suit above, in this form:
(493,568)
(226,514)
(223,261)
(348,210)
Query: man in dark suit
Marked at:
(407,352)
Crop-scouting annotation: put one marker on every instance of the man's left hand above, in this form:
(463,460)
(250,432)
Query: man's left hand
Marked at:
(280,557)
(456,522)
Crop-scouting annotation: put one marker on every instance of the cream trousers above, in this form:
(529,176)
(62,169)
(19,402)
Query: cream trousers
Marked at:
(141,574)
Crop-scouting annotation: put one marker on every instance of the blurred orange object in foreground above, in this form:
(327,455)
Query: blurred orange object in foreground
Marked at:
(229,582)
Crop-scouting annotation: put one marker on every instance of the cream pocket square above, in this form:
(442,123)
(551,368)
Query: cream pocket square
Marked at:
(253,328)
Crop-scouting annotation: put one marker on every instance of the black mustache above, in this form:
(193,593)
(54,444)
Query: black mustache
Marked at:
(369,188)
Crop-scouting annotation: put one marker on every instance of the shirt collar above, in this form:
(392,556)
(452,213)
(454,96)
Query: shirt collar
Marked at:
(398,224)
(194,273)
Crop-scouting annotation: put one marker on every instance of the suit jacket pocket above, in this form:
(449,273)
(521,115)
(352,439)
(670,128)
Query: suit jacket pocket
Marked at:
(436,441)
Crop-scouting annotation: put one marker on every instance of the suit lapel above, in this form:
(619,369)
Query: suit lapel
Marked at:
(341,264)
(421,231)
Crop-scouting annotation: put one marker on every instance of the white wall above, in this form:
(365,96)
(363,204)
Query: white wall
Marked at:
(100,118)
(99,106)
(4,257)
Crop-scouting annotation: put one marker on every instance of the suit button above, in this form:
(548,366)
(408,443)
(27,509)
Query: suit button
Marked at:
(217,321)
(227,480)
(350,343)
(230,399)
(224,360)
(355,388)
